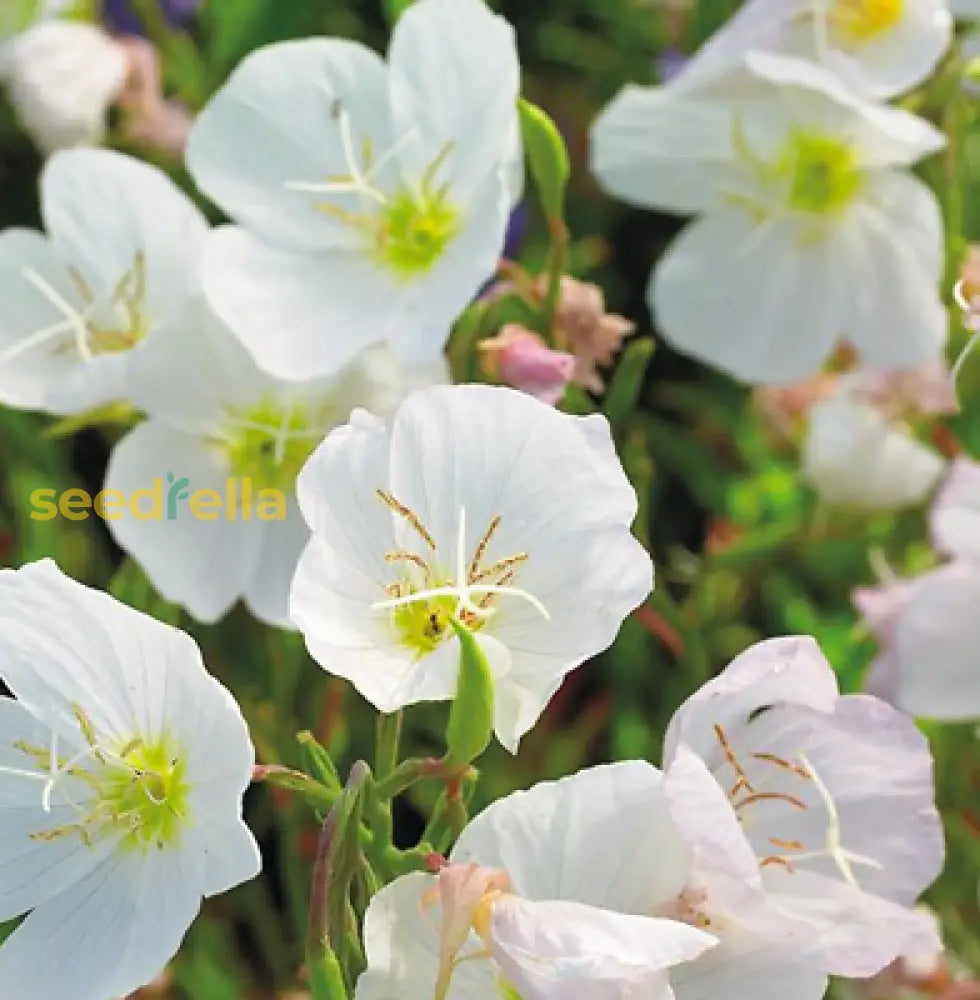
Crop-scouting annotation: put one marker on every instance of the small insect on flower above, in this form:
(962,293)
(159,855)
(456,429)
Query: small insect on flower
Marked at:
(479,504)
(122,770)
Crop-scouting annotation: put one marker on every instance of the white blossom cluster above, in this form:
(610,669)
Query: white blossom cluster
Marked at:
(790,829)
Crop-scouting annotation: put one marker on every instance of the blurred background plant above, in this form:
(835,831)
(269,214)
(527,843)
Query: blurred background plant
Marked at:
(743,546)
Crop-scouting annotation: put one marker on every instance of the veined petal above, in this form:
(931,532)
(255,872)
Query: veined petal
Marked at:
(751,298)
(789,670)
(652,148)
(553,950)
(298,315)
(621,806)
(103,209)
(894,315)
(279,121)
(454,62)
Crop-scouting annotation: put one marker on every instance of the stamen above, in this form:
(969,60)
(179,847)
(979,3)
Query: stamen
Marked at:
(770,797)
(775,859)
(743,783)
(501,566)
(409,515)
(481,548)
(784,764)
(788,845)
(75,319)
(410,557)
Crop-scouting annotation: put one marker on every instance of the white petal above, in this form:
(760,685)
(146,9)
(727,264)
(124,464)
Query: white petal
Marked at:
(102,208)
(955,515)
(743,967)
(546,838)
(403,950)
(651,148)
(791,670)
(277,122)
(936,642)
(29,374)
(748,298)
(893,314)
(267,594)
(204,565)
(553,950)
(107,935)
(705,817)
(231,853)
(192,369)
(299,315)
(453,62)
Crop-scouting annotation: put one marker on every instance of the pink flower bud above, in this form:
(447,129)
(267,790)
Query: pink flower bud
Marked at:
(519,358)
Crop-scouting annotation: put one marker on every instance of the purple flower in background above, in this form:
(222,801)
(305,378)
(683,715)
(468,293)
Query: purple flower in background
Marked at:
(669,63)
(121,15)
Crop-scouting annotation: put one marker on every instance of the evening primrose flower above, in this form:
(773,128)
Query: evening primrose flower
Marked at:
(810,232)
(372,205)
(879,47)
(554,912)
(122,768)
(225,441)
(927,625)
(855,454)
(119,257)
(820,807)
(61,78)
(477,503)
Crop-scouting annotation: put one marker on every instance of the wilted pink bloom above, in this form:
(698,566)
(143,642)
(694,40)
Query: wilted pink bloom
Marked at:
(152,121)
(782,407)
(521,359)
(927,391)
(586,330)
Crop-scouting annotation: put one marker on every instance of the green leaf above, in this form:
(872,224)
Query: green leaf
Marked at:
(547,158)
(395,8)
(471,715)
(624,390)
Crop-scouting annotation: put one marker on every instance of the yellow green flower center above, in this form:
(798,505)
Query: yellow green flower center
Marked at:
(139,790)
(820,171)
(506,991)
(269,444)
(413,231)
(423,625)
(861,21)
(146,793)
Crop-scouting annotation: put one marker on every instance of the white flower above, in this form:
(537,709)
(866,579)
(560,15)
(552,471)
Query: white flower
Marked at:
(120,256)
(61,77)
(810,233)
(544,899)
(479,503)
(122,768)
(374,197)
(879,47)
(219,424)
(928,625)
(818,809)
(855,455)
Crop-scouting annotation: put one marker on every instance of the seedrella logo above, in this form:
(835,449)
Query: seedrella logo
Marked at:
(167,498)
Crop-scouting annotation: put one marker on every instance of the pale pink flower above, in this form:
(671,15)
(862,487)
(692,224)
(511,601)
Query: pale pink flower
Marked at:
(521,359)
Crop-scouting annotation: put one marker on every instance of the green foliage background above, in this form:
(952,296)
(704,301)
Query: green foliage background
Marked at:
(742,547)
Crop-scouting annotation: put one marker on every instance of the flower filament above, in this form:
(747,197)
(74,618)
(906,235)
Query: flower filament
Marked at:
(107,326)
(746,793)
(408,230)
(270,443)
(422,615)
(137,791)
